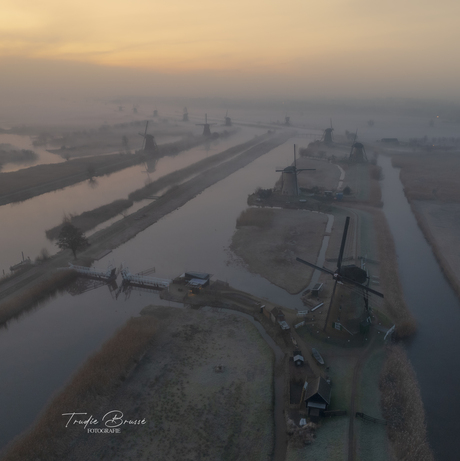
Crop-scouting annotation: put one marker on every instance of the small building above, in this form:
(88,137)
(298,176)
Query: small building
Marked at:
(277,315)
(316,289)
(390,140)
(284,325)
(317,396)
(199,278)
(298,358)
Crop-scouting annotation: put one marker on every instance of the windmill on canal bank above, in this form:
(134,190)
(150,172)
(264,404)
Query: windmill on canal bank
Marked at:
(327,135)
(289,182)
(206,126)
(149,145)
(352,276)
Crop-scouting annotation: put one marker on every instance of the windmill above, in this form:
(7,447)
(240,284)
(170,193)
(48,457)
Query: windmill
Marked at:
(292,171)
(149,145)
(228,120)
(287,121)
(185,115)
(327,136)
(348,274)
(206,126)
(357,151)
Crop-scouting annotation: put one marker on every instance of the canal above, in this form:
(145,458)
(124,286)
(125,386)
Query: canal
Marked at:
(40,351)
(47,210)
(435,348)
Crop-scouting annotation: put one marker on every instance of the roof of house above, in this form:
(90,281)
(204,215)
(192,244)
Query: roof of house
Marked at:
(319,386)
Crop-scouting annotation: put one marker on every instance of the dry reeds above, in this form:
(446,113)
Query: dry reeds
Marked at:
(35,294)
(90,219)
(95,382)
(403,408)
(259,217)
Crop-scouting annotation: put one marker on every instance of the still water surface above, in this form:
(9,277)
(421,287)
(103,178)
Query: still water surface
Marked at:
(435,349)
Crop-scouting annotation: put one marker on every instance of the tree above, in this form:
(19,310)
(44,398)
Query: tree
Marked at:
(71,238)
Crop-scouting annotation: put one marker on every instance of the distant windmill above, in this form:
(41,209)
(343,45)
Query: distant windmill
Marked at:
(357,151)
(228,120)
(291,171)
(185,115)
(206,126)
(287,121)
(149,145)
(327,136)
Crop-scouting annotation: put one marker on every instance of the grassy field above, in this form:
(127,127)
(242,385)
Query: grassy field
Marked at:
(194,409)
(269,241)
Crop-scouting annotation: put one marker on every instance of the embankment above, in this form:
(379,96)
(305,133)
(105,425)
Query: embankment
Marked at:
(21,185)
(35,294)
(90,219)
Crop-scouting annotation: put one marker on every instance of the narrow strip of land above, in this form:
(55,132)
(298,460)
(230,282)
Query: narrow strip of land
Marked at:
(124,230)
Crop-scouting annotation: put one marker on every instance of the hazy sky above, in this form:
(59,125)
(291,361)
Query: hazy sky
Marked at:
(207,48)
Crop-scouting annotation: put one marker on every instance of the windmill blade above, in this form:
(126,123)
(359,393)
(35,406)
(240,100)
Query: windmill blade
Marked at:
(342,246)
(364,287)
(295,159)
(331,124)
(306,169)
(327,271)
(353,143)
(145,134)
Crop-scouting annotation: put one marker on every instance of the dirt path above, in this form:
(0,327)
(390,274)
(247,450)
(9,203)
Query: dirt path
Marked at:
(356,376)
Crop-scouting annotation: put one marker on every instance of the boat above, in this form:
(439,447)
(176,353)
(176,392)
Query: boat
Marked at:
(317,356)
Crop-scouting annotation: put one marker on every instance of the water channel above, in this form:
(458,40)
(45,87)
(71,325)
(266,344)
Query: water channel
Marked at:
(47,210)
(435,349)
(40,350)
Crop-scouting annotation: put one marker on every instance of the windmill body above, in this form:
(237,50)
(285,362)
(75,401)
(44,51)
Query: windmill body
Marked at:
(228,120)
(206,126)
(149,145)
(327,135)
(185,115)
(358,153)
(289,184)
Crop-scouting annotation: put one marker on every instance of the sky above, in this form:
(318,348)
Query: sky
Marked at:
(290,48)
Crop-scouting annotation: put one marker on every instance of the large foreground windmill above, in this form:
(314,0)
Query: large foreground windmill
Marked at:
(149,145)
(348,274)
(206,126)
(289,177)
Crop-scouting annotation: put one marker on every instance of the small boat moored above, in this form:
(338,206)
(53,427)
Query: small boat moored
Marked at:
(317,356)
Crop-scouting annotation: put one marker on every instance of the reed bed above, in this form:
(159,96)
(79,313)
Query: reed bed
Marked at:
(431,176)
(259,217)
(35,294)
(90,219)
(403,408)
(93,384)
